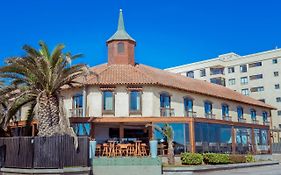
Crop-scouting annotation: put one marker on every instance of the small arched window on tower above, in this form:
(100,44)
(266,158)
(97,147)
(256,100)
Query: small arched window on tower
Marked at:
(120,47)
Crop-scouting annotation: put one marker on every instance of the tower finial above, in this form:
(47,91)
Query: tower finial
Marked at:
(121,21)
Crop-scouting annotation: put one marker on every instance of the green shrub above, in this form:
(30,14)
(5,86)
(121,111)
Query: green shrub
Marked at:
(191,158)
(235,158)
(250,158)
(214,158)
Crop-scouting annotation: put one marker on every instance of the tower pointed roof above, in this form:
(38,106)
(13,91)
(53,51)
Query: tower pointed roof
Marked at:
(121,33)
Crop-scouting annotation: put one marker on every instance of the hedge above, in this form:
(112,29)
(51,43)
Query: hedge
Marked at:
(191,158)
(214,158)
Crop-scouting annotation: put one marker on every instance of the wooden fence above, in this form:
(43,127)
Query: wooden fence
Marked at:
(43,152)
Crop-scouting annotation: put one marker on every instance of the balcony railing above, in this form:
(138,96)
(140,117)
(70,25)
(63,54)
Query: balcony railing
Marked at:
(167,112)
(227,117)
(76,112)
(190,114)
(267,123)
(255,121)
(242,120)
(210,115)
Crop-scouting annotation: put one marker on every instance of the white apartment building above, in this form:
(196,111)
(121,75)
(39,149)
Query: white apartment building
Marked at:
(256,75)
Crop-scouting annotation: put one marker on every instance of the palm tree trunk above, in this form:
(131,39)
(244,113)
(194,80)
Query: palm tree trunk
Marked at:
(171,157)
(48,115)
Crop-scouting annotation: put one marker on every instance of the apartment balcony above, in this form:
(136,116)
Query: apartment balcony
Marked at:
(217,71)
(210,115)
(227,117)
(190,114)
(255,121)
(76,112)
(267,123)
(167,112)
(242,120)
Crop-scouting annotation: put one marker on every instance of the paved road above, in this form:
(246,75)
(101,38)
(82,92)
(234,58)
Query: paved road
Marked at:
(265,170)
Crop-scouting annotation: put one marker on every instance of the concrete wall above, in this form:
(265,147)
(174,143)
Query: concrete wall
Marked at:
(151,103)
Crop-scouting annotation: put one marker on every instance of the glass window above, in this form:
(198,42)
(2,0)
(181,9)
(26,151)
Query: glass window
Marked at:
(264,116)
(81,129)
(253,115)
(212,137)
(257,64)
(181,136)
(231,81)
(216,71)
(190,74)
(279,113)
(243,68)
(255,77)
(78,101)
(278,99)
(274,61)
(203,72)
(240,112)
(276,74)
(245,92)
(188,104)
(244,80)
(257,89)
(120,47)
(277,86)
(135,101)
(231,70)
(108,101)
(219,81)
(225,110)
(208,108)
(165,100)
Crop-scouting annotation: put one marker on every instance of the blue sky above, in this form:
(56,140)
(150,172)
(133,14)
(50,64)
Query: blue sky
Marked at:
(168,33)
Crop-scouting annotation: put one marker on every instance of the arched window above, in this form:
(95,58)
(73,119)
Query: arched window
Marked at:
(165,104)
(265,116)
(240,113)
(208,109)
(108,102)
(120,47)
(188,106)
(135,101)
(77,105)
(225,111)
(253,115)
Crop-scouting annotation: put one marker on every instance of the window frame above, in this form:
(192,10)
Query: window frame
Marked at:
(231,80)
(113,103)
(231,69)
(77,95)
(242,109)
(192,100)
(244,82)
(119,44)
(247,91)
(187,74)
(139,111)
(253,111)
(242,66)
(275,61)
(276,73)
(211,107)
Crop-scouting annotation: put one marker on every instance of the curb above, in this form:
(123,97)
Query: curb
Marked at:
(207,168)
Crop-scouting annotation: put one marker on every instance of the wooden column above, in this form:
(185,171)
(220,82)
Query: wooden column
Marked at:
(151,132)
(121,130)
(233,140)
(92,131)
(253,141)
(192,135)
(33,130)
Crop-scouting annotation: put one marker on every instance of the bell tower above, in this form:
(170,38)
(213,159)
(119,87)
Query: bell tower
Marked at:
(121,46)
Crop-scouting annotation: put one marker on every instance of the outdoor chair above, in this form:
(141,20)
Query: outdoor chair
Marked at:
(105,150)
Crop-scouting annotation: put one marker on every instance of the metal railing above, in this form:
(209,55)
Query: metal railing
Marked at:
(210,115)
(242,120)
(266,122)
(167,112)
(190,114)
(227,117)
(76,112)
(255,121)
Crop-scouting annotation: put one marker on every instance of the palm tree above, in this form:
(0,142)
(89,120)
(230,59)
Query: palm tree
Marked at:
(168,132)
(37,79)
